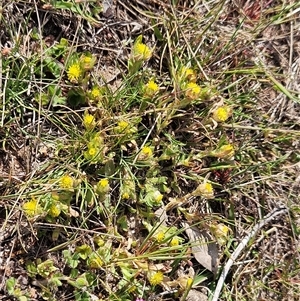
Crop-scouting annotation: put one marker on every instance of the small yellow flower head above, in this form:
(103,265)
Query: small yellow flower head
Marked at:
(192,91)
(205,190)
(224,152)
(174,242)
(221,114)
(150,89)
(221,233)
(146,153)
(141,52)
(127,190)
(89,121)
(92,151)
(74,72)
(153,197)
(103,186)
(123,127)
(125,196)
(87,62)
(160,236)
(54,210)
(157,197)
(187,74)
(32,208)
(96,93)
(103,183)
(66,182)
(146,150)
(156,278)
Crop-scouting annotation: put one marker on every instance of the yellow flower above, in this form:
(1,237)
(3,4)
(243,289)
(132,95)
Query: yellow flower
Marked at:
(150,88)
(221,114)
(87,62)
(122,127)
(174,242)
(224,152)
(205,190)
(221,232)
(74,73)
(66,182)
(157,196)
(89,121)
(32,208)
(103,183)
(125,196)
(156,278)
(192,91)
(141,52)
(125,128)
(92,151)
(160,236)
(103,186)
(128,187)
(96,92)
(187,74)
(54,210)
(146,153)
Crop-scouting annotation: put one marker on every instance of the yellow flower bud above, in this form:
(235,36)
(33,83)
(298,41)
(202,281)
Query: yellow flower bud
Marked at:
(103,186)
(146,153)
(157,196)
(174,242)
(221,232)
(187,74)
(141,52)
(54,210)
(192,91)
(160,236)
(87,62)
(89,121)
(205,190)
(224,152)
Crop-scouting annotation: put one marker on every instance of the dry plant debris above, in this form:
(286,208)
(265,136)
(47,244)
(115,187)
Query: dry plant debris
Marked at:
(149,150)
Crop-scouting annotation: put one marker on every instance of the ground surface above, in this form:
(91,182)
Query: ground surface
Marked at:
(149,197)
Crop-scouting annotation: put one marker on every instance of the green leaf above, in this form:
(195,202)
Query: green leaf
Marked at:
(55,279)
(76,98)
(82,281)
(46,268)
(10,285)
(157,32)
(122,222)
(84,251)
(31,268)
(53,66)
